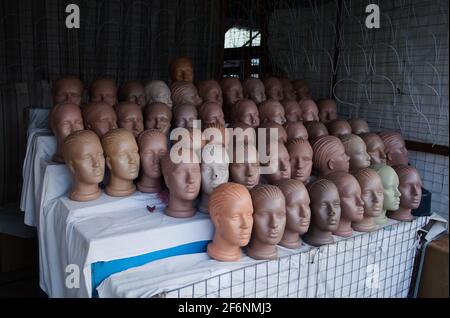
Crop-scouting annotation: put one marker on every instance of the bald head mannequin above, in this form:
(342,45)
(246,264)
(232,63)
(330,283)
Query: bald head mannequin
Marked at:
(298,212)
(325,212)
(295,130)
(231,210)
(244,167)
(269,221)
(352,206)
(391,194)
(185,93)
(152,148)
(65,118)
(292,111)
(246,111)
(315,129)
(158,116)
(243,134)
(288,89)
(215,133)
(272,110)
(301,89)
(68,89)
(158,92)
(359,126)
(268,126)
(284,165)
(356,149)
(184,115)
(327,110)
(132,91)
(210,91)
(339,128)
(211,112)
(329,155)
(375,148)
(274,89)
(300,156)
(129,116)
(309,110)
(103,90)
(83,155)
(122,159)
(100,118)
(181,69)
(232,93)
(254,90)
(396,153)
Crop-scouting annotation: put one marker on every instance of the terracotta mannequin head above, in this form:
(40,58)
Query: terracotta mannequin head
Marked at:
(325,212)
(295,130)
(231,210)
(284,165)
(181,69)
(301,89)
(327,110)
(100,118)
(68,89)
(298,212)
(232,90)
(391,194)
(301,156)
(132,91)
(83,155)
(269,221)
(122,159)
(65,118)
(214,171)
(244,168)
(359,126)
(309,110)
(329,155)
(210,91)
(271,110)
(352,206)
(375,148)
(315,129)
(185,93)
(339,128)
(246,111)
(274,89)
(254,90)
(158,116)
(129,116)
(411,192)
(288,89)
(103,90)
(356,149)
(243,134)
(152,147)
(183,180)
(184,115)
(372,195)
(292,111)
(396,153)
(211,112)
(158,92)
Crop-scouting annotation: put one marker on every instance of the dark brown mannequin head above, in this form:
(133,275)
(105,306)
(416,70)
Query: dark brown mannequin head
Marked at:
(375,148)
(339,127)
(292,111)
(288,89)
(103,90)
(254,90)
(181,69)
(210,91)
(184,115)
(100,118)
(327,110)
(243,134)
(129,116)
(274,89)
(232,90)
(158,116)
(68,89)
(315,129)
(296,130)
(301,89)
(359,126)
(132,91)
(246,111)
(272,110)
(329,155)
(185,93)
(269,126)
(396,153)
(300,156)
(309,110)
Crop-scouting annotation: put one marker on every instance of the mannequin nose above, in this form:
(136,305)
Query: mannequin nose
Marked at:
(299,164)
(248,171)
(332,211)
(244,223)
(189,178)
(359,202)
(131,159)
(273,222)
(415,190)
(283,166)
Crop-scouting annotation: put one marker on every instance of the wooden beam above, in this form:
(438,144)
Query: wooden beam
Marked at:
(427,148)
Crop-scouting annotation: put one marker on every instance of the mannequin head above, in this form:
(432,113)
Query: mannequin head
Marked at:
(315,129)
(396,153)
(210,91)
(288,89)
(359,126)
(339,128)
(211,112)
(292,111)
(83,154)
(100,118)
(243,134)
(391,194)
(301,89)
(132,91)
(301,156)
(231,210)
(352,206)
(411,192)
(103,90)
(158,92)
(282,136)
(271,110)
(232,90)
(185,93)
(129,116)
(254,89)
(65,118)
(309,110)
(375,148)
(298,212)
(295,130)
(68,89)
(327,110)
(329,155)
(215,133)
(269,221)
(246,111)
(152,147)
(284,165)
(181,69)
(274,89)
(244,168)
(185,115)
(356,149)
(158,116)
(122,159)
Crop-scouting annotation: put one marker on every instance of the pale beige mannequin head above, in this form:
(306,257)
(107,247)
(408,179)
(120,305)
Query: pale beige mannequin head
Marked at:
(158,92)
(133,92)
(129,116)
(103,90)
(296,130)
(356,149)
(157,116)
(100,118)
(68,89)
(391,194)
(181,69)
(254,90)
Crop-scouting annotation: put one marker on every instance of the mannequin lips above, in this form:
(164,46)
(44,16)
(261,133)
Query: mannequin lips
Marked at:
(332,221)
(133,168)
(299,174)
(416,201)
(191,189)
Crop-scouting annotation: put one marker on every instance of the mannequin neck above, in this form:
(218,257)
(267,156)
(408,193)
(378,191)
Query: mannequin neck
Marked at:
(290,239)
(382,219)
(180,208)
(402,214)
(317,237)
(344,229)
(150,185)
(82,191)
(366,225)
(119,187)
(222,250)
(259,250)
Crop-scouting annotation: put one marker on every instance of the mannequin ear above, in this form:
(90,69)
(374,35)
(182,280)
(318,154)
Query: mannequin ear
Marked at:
(108,163)
(330,164)
(70,166)
(88,126)
(388,156)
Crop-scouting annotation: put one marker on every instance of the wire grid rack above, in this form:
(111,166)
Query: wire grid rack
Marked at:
(378,264)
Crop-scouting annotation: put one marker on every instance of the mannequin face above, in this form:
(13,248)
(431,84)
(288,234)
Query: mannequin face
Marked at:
(65,120)
(101,120)
(296,130)
(274,89)
(210,91)
(213,175)
(357,151)
(359,126)
(182,70)
(309,110)
(326,210)
(158,117)
(133,92)
(129,116)
(68,90)
(272,111)
(288,89)
(123,159)
(375,149)
(327,111)
(185,93)
(184,180)
(151,150)
(301,161)
(301,89)
(292,111)
(104,90)
(411,190)
(396,153)
(185,116)
(391,194)
(254,90)
(339,128)
(244,169)
(352,206)
(232,90)
(269,220)
(158,92)
(372,195)
(212,113)
(298,212)
(284,166)
(247,113)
